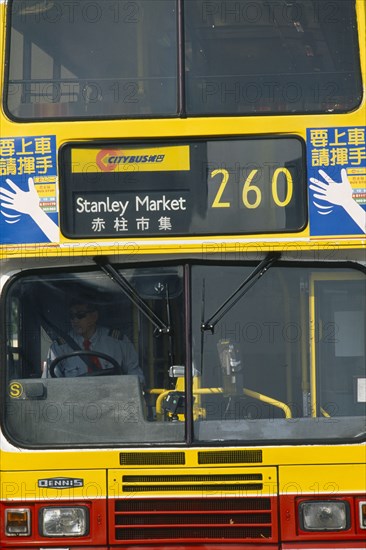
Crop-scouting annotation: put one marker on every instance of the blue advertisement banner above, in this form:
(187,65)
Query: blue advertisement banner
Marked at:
(336,161)
(28,190)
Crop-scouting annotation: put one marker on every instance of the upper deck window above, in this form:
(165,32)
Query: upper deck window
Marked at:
(123,59)
(82,59)
(286,57)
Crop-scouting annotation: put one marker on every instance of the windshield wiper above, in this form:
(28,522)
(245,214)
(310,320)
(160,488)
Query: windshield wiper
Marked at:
(230,302)
(134,297)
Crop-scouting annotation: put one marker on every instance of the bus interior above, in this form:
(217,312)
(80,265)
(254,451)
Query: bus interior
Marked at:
(268,350)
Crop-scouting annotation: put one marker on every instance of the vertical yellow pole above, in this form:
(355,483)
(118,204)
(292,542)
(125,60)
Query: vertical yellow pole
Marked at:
(303,351)
(312,340)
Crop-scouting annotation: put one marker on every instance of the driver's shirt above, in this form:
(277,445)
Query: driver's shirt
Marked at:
(106,341)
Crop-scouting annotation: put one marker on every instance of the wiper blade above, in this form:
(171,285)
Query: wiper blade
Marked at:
(247,284)
(134,297)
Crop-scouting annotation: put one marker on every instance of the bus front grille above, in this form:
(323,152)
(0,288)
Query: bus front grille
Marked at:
(192,483)
(230,457)
(154,458)
(235,519)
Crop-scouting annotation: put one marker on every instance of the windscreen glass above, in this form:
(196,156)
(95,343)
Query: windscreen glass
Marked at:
(88,360)
(242,353)
(284,358)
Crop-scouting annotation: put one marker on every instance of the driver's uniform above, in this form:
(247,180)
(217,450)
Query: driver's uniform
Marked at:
(104,340)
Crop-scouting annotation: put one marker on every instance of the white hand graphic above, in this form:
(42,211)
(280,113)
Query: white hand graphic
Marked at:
(27,202)
(335,193)
(339,194)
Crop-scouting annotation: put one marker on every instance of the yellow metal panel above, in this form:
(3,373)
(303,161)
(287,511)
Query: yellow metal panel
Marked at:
(319,479)
(207,246)
(272,456)
(34,485)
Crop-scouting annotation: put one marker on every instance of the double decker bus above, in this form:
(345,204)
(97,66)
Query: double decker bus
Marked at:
(187,177)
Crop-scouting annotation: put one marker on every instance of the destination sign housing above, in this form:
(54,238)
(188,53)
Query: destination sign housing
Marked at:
(216,187)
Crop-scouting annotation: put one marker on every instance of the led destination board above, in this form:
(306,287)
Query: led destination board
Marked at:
(216,187)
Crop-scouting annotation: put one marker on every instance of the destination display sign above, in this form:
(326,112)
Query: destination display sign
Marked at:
(200,187)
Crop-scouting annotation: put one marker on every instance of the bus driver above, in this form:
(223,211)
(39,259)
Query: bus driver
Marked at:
(85,334)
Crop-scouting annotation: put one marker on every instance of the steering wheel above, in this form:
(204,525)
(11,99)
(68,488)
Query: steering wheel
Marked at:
(98,372)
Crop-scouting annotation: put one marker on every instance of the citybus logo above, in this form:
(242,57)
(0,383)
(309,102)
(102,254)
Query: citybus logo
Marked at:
(61,482)
(108,160)
(103,160)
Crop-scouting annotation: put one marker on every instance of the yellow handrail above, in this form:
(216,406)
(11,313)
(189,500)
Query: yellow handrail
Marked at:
(202,391)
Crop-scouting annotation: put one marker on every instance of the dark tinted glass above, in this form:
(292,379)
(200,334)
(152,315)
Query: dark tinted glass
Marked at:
(248,57)
(117,58)
(87,59)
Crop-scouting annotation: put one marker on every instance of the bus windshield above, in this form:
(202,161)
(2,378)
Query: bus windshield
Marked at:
(107,59)
(285,363)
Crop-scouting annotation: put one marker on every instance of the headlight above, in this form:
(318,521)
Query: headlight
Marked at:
(326,515)
(64,521)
